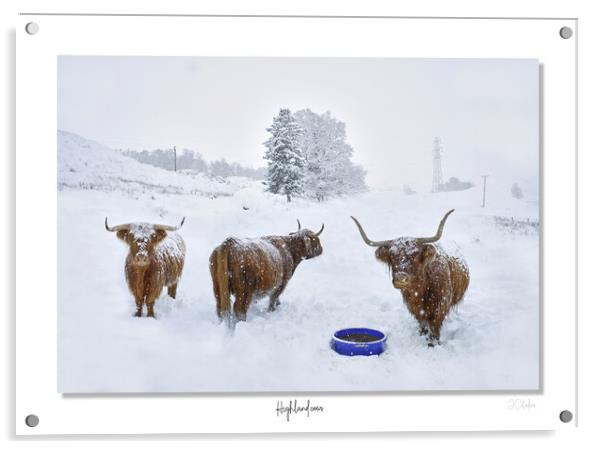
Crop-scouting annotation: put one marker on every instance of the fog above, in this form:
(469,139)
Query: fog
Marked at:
(486,111)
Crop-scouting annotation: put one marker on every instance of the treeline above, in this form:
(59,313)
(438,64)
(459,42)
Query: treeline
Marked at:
(308,156)
(188,160)
(454,184)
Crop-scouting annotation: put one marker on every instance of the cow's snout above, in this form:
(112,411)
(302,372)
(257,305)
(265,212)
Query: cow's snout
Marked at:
(400,280)
(141,259)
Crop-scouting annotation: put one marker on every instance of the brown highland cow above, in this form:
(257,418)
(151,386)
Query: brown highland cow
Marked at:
(155,260)
(430,280)
(252,268)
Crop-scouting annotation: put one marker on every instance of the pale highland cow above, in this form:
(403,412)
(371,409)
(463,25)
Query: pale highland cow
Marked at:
(155,260)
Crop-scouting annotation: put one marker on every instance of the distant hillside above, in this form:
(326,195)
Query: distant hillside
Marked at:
(87,165)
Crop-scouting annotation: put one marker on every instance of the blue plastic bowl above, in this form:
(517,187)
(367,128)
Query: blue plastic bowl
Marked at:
(358,341)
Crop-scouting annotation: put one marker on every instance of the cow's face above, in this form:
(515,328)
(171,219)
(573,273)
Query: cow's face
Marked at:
(312,245)
(141,240)
(407,261)
(307,242)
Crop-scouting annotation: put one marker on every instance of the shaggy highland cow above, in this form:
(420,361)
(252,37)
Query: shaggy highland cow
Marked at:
(430,280)
(155,260)
(251,268)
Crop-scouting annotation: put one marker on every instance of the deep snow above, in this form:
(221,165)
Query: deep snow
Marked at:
(491,341)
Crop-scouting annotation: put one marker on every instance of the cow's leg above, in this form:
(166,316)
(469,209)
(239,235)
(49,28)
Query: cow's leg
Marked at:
(139,304)
(434,331)
(274,302)
(151,297)
(150,307)
(275,298)
(172,289)
(241,306)
(223,314)
(153,288)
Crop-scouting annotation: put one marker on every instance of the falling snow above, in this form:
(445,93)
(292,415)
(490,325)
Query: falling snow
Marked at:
(489,342)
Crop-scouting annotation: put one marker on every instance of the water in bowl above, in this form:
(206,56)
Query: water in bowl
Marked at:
(359,338)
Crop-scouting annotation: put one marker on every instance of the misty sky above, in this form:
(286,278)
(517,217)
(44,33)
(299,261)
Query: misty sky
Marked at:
(484,110)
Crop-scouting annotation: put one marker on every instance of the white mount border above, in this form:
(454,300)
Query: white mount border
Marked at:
(216,35)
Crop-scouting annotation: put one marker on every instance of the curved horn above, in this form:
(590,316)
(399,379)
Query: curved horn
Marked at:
(169,228)
(115,228)
(365,237)
(437,236)
(320,231)
(298,224)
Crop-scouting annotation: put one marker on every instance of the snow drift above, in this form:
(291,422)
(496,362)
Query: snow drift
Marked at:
(490,342)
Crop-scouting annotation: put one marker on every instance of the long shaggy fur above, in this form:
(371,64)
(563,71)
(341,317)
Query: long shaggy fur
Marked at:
(155,261)
(430,280)
(250,268)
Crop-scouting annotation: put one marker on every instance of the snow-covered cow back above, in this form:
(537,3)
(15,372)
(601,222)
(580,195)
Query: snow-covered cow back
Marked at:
(251,268)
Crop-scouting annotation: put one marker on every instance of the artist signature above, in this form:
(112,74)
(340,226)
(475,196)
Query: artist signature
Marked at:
(294,408)
(521,404)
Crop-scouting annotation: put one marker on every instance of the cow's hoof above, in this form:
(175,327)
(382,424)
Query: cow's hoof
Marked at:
(138,314)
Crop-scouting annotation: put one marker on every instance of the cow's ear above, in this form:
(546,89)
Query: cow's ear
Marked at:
(383,254)
(159,235)
(123,235)
(428,252)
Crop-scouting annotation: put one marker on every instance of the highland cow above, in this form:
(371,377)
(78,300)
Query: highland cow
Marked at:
(155,260)
(252,268)
(431,281)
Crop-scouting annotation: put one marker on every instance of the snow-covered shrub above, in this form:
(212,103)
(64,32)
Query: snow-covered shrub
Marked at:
(454,184)
(516,191)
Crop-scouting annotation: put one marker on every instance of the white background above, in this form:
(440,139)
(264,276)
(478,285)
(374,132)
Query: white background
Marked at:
(588,74)
(36,122)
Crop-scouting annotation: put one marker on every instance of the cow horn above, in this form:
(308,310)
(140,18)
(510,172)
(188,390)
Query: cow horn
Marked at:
(437,236)
(320,231)
(159,227)
(365,237)
(299,225)
(115,228)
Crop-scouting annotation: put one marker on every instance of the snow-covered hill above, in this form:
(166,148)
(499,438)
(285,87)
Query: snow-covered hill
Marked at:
(87,165)
(490,342)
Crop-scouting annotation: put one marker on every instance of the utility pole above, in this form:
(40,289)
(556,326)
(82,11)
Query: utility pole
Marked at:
(484,188)
(174,159)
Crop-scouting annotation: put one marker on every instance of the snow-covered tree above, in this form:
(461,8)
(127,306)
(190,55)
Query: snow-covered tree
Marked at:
(285,164)
(328,170)
(220,168)
(516,191)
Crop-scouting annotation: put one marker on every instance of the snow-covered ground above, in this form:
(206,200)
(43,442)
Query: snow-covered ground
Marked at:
(491,341)
(87,165)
